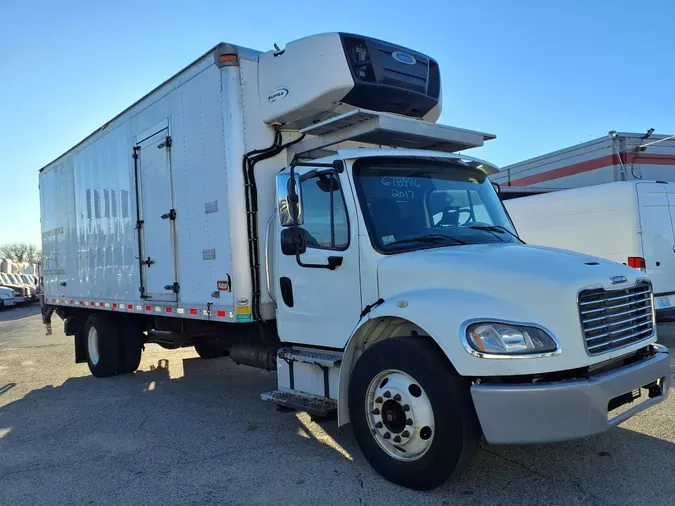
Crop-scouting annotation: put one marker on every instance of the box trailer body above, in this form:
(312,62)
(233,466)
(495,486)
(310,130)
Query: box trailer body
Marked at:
(615,157)
(300,210)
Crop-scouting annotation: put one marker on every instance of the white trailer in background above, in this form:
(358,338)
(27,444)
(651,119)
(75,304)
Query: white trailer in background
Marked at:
(613,157)
(225,210)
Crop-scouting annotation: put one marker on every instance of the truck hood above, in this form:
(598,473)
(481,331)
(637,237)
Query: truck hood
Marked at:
(532,277)
(499,267)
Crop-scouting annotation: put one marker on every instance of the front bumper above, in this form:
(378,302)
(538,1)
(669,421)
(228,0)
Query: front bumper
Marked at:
(8,302)
(563,410)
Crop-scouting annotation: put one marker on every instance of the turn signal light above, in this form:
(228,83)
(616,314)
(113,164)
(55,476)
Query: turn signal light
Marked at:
(637,263)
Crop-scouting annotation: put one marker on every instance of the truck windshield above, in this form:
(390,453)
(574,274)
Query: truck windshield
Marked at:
(417,203)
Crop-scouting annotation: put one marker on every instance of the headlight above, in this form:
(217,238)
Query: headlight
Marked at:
(508,339)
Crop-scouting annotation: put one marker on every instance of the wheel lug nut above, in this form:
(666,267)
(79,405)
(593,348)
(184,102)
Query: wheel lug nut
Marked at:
(405,433)
(378,425)
(406,407)
(409,421)
(376,411)
(379,400)
(397,397)
(397,439)
(387,394)
(386,435)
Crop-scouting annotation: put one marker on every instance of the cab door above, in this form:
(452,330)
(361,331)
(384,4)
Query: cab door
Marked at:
(318,290)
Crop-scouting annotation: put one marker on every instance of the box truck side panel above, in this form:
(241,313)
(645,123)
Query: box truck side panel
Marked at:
(59,229)
(104,245)
(185,173)
(600,221)
(200,191)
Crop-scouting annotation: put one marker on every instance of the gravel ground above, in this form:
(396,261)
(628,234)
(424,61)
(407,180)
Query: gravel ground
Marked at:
(188,431)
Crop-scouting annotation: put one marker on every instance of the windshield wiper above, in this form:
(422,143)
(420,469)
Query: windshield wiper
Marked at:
(496,228)
(435,238)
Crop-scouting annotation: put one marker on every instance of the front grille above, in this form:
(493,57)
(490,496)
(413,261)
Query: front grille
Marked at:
(612,319)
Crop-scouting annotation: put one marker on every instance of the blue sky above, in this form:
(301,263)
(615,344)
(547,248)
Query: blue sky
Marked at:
(539,75)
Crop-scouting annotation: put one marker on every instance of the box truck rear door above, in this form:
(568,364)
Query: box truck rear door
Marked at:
(656,203)
(157,232)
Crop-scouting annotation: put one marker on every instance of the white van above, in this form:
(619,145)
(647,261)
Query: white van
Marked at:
(629,222)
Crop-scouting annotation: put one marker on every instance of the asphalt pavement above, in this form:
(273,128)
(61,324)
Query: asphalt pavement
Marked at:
(183,430)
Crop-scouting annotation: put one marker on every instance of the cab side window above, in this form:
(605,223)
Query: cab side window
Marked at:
(325,219)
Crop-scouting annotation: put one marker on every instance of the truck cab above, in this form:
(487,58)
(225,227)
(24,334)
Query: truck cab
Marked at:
(406,264)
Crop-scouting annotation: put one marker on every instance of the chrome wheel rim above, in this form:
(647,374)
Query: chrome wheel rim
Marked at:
(92,346)
(400,416)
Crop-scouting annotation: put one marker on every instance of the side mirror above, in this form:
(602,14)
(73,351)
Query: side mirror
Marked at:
(289,196)
(293,241)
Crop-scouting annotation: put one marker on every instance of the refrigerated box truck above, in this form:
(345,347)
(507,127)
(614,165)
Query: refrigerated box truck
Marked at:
(300,210)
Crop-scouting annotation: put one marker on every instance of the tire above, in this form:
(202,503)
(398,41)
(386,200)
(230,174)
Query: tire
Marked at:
(131,348)
(210,349)
(102,344)
(433,401)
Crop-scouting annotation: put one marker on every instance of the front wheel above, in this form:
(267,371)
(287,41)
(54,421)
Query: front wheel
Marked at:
(412,413)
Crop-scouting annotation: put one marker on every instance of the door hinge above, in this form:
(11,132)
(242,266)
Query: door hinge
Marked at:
(147,262)
(166,143)
(639,231)
(171,215)
(175,288)
(136,150)
(139,224)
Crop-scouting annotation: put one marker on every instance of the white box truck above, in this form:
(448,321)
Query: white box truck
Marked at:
(300,210)
(627,222)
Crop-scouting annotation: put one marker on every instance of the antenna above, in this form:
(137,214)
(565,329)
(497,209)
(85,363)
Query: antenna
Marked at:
(277,50)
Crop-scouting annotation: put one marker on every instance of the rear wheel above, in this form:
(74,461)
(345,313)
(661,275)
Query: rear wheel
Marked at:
(412,413)
(210,348)
(103,347)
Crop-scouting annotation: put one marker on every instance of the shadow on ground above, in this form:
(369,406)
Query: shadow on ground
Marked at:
(194,431)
